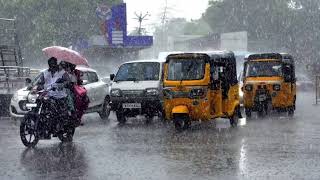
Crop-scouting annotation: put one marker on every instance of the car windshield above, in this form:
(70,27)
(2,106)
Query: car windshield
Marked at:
(139,71)
(263,69)
(186,69)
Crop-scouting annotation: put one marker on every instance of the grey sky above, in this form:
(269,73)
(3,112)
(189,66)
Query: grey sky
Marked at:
(190,9)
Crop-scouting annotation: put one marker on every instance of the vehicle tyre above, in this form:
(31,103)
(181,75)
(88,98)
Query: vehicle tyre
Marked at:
(120,117)
(67,134)
(235,118)
(291,111)
(28,125)
(149,119)
(260,111)
(105,112)
(248,112)
(181,122)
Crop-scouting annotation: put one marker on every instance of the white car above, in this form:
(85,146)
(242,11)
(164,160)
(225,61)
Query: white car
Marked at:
(137,89)
(97,91)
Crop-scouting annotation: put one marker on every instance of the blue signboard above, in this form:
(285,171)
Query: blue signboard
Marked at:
(116,27)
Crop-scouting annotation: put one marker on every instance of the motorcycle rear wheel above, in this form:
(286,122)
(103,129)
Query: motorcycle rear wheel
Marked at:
(67,134)
(28,130)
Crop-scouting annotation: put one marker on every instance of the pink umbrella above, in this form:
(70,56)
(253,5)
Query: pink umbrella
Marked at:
(65,54)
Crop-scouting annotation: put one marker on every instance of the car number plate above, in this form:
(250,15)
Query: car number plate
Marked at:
(131,105)
(262,97)
(31,105)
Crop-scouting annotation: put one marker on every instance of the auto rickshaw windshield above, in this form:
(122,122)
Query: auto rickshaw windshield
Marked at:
(263,69)
(186,69)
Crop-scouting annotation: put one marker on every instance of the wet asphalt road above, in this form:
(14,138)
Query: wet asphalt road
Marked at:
(276,147)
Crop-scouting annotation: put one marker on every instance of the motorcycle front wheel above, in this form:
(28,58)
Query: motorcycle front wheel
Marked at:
(28,131)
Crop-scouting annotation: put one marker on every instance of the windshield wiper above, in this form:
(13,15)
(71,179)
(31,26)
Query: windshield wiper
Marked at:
(132,79)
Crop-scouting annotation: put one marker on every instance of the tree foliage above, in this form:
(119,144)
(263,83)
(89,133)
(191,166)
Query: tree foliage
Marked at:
(45,23)
(294,24)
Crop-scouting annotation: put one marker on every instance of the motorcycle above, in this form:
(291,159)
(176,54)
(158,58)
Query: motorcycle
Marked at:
(47,117)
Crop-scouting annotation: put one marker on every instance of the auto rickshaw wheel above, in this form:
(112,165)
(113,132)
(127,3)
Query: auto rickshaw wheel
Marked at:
(181,122)
(248,112)
(291,111)
(234,119)
(260,111)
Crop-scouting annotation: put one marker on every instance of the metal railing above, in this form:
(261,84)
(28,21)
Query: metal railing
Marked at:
(317,89)
(13,76)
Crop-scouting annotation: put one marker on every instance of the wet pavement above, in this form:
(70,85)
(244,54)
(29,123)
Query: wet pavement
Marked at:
(276,147)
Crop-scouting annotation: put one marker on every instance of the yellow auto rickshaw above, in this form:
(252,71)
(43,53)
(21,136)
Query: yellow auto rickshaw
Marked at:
(269,83)
(201,87)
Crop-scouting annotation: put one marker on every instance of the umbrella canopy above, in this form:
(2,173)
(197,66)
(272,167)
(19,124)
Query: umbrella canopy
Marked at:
(65,54)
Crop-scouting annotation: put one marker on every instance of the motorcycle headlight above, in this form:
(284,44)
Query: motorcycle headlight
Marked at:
(277,87)
(248,87)
(32,98)
(115,92)
(197,92)
(152,92)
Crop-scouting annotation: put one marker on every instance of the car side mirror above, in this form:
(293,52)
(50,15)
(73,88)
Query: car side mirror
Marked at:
(112,76)
(28,81)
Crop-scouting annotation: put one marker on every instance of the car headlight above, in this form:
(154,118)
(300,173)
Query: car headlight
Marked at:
(152,92)
(115,92)
(277,87)
(248,87)
(197,92)
(32,98)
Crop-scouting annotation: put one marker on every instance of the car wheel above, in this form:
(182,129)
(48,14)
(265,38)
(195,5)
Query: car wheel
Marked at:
(105,112)
(149,119)
(120,117)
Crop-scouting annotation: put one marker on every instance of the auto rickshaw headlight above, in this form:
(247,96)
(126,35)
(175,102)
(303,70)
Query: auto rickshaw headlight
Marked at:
(115,92)
(152,92)
(277,87)
(248,87)
(197,92)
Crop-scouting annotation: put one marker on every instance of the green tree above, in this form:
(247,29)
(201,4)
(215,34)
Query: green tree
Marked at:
(45,23)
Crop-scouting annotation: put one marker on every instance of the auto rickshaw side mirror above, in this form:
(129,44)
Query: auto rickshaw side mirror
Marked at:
(287,78)
(112,76)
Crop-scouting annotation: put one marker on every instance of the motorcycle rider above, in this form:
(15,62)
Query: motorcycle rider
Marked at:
(54,80)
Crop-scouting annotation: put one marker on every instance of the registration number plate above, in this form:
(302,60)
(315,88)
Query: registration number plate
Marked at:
(29,105)
(262,97)
(131,105)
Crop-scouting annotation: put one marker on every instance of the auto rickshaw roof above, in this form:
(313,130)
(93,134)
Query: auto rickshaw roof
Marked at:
(285,57)
(225,56)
